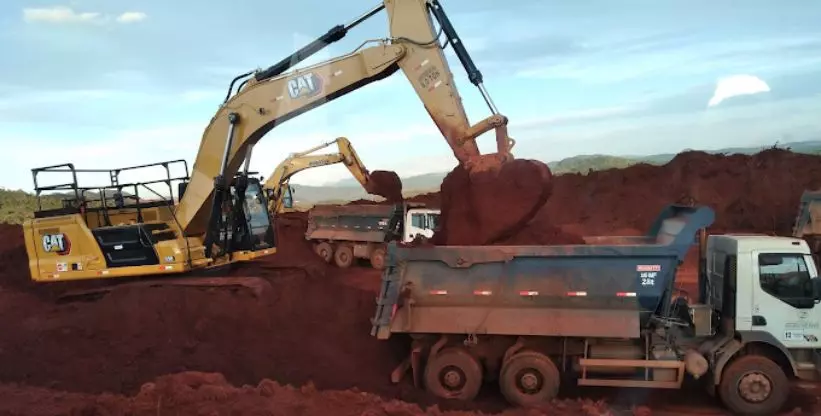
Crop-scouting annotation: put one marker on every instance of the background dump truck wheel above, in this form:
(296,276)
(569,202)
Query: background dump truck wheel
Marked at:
(529,378)
(453,373)
(343,256)
(378,258)
(325,251)
(754,385)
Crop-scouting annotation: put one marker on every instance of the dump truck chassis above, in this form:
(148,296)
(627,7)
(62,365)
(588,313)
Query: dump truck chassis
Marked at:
(530,370)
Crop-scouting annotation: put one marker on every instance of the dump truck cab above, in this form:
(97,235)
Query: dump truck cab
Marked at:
(775,285)
(765,290)
(419,221)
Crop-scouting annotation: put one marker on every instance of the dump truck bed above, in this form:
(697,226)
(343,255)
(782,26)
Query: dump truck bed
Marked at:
(610,287)
(366,223)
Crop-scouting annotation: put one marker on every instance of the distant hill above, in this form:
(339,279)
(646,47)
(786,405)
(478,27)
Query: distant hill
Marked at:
(348,189)
(16,205)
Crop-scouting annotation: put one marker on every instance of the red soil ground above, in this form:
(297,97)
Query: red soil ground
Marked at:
(311,322)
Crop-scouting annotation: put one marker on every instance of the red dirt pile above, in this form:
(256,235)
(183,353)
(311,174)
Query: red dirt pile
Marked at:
(195,393)
(750,193)
(493,207)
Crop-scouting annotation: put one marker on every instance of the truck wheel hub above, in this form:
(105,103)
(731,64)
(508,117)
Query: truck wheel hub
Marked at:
(453,378)
(754,387)
(529,381)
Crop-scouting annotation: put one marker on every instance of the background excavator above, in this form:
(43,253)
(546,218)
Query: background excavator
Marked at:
(221,216)
(277,186)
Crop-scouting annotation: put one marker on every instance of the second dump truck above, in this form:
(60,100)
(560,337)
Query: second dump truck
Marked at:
(342,233)
(604,314)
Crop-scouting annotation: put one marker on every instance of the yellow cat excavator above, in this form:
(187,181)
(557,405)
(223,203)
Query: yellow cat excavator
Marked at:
(280,194)
(221,213)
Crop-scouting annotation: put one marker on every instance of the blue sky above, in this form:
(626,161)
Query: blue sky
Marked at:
(107,83)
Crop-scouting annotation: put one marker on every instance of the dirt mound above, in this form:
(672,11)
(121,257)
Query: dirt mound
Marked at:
(14,272)
(486,208)
(194,393)
(750,193)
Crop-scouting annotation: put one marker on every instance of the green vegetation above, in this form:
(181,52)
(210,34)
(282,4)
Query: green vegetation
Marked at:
(585,164)
(17,206)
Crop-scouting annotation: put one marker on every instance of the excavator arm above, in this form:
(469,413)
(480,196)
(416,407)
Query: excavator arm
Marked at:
(277,183)
(271,97)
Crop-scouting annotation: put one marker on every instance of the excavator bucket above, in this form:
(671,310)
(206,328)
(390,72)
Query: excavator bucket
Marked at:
(492,201)
(386,184)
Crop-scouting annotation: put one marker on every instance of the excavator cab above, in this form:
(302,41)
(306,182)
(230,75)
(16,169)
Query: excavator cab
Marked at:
(248,223)
(126,228)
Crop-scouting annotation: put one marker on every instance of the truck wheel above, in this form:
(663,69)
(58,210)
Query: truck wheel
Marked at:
(529,378)
(754,385)
(343,257)
(325,251)
(378,258)
(453,374)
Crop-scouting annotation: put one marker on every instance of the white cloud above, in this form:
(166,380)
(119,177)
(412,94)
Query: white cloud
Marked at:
(45,97)
(59,14)
(131,17)
(571,116)
(195,96)
(737,85)
(66,14)
(616,64)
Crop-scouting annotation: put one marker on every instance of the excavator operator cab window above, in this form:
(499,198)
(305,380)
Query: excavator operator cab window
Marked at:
(256,214)
(288,197)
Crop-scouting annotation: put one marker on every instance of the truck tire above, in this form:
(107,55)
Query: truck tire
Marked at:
(378,258)
(754,385)
(324,251)
(529,378)
(453,373)
(343,256)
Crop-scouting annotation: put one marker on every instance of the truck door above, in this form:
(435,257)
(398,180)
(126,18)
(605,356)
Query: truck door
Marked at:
(783,298)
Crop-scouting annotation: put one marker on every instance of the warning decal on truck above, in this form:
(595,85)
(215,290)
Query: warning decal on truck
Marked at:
(647,273)
(648,268)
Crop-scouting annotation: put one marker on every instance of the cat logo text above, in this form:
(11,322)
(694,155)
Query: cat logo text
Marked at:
(305,85)
(56,243)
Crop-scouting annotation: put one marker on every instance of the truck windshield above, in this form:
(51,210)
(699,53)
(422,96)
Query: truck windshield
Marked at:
(418,220)
(434,221)
(786,277)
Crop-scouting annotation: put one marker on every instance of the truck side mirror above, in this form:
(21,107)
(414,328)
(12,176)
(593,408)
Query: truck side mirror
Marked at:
(816,289)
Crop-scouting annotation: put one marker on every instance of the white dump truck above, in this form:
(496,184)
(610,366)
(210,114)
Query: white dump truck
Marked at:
(343,233)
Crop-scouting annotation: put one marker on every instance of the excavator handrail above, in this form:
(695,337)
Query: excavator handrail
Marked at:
(114,183)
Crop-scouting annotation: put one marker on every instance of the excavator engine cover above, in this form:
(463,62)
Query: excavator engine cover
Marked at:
(489,205)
